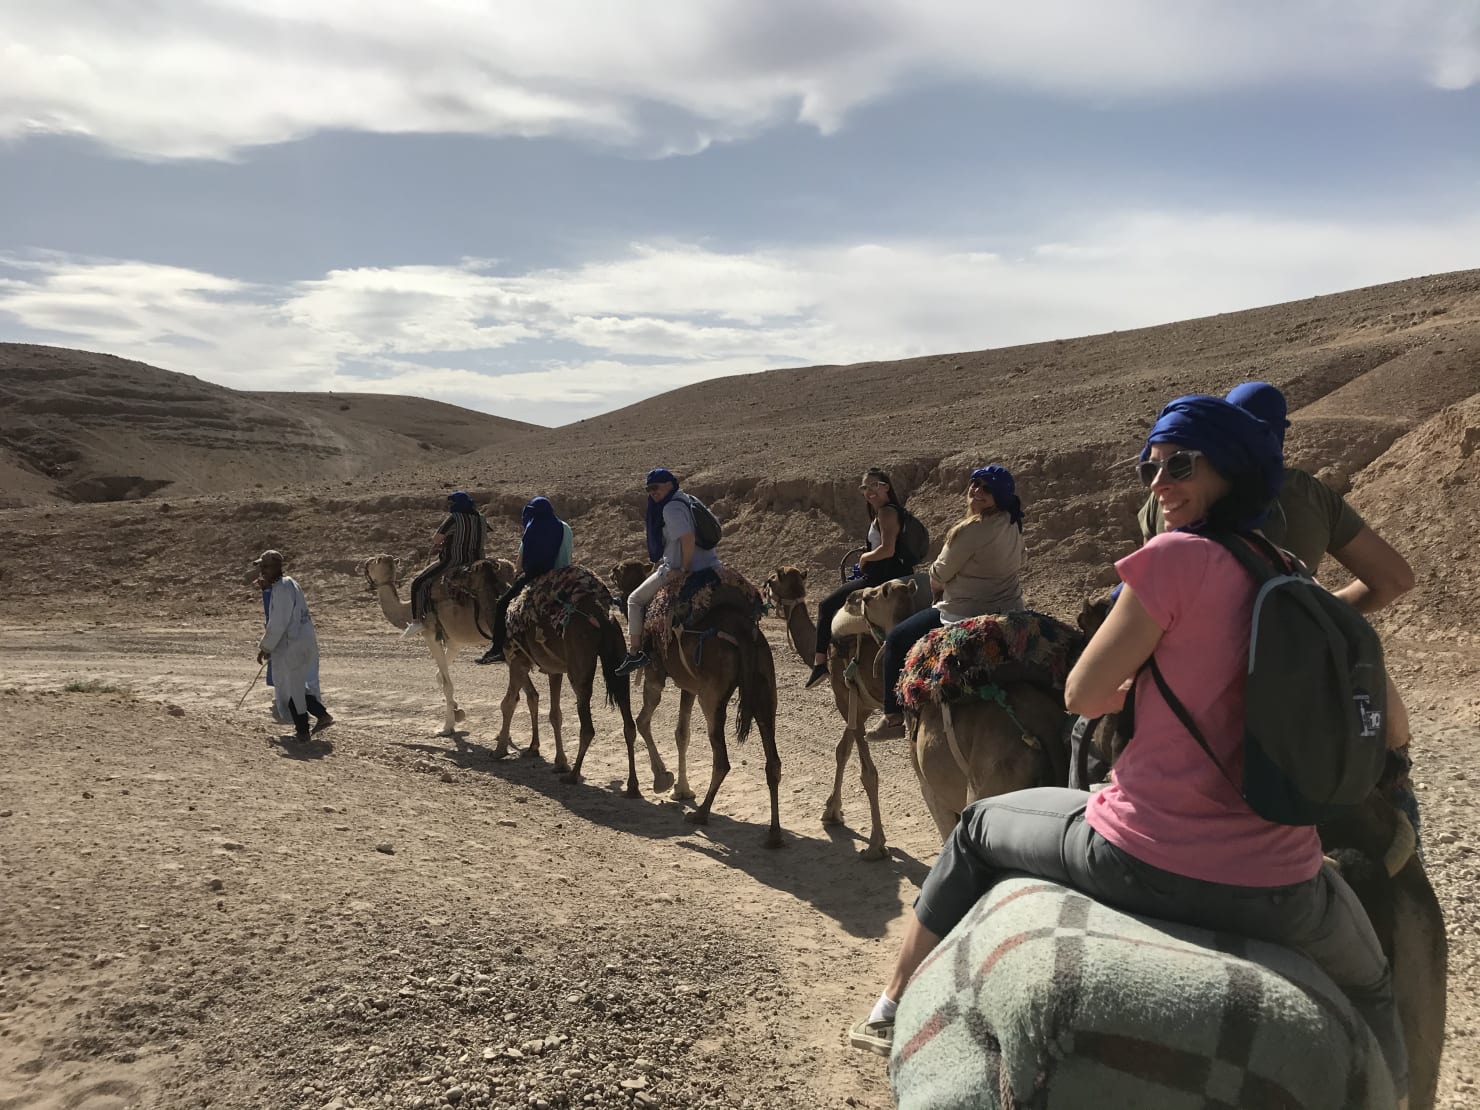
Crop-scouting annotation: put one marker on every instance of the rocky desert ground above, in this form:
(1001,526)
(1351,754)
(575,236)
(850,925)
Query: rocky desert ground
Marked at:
(195,914)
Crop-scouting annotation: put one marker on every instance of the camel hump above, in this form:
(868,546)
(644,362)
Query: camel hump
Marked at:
(557,596)
(703,593)
(1122,1010)
(972,657)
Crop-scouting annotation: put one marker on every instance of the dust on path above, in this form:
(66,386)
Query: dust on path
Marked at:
(486,857)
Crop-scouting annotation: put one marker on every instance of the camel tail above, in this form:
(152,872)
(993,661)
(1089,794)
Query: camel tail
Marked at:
(613,649)
(757,683)
(484,577)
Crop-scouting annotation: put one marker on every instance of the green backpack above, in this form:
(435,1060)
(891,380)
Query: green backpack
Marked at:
(1315,706)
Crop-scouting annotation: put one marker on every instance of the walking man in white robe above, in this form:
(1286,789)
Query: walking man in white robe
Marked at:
(290,649)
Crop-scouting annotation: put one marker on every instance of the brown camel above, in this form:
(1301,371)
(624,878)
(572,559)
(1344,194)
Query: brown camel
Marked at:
(573,646)
(854,668)
(972,749)
(722,653)
(452,624)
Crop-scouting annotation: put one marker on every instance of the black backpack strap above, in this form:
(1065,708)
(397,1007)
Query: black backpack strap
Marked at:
(1080,734)
(1257,555)
(1187,722)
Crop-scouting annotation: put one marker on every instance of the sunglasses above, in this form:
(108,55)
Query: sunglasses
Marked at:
(872,485)
(1179,467)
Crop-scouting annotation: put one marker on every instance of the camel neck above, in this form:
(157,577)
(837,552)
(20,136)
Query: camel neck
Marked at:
(800,630)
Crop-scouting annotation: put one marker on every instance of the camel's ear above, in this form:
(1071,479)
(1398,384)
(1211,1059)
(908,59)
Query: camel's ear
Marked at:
(802,574)
(912,586)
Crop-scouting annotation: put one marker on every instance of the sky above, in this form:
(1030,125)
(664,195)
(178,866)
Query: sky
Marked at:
(551,209)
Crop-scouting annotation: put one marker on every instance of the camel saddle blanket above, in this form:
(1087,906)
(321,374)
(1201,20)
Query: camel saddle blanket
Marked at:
(1042,998)
(685,604)
(974,657)
(555,597)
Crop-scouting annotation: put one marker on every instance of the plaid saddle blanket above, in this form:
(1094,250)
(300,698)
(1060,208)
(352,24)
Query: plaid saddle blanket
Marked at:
(1043,999)
(557,596)
(971,658)
(683,605)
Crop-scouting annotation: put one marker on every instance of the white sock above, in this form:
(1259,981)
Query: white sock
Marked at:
(883,1009)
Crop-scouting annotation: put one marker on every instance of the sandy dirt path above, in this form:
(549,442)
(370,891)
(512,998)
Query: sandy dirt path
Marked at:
(205,916)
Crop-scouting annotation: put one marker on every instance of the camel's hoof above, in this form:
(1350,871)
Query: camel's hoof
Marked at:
(697,817)
(531,753)
(832,815)
(773,839)
(874,852)
(561,766)
(682,795)
(450,733)
(663,782)
(500,752)
(633,790)
(571,777)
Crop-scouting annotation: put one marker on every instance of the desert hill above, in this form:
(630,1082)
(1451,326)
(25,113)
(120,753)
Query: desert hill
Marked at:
(79,426)
(1378,379)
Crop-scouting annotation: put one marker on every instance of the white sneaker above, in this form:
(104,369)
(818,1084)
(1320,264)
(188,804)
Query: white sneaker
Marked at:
(413,629)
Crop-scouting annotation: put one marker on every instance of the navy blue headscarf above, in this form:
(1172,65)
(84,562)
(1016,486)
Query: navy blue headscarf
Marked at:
(460,502)
(1264,401)
(1240,447)
(543,536)
(998,479)
(655,511)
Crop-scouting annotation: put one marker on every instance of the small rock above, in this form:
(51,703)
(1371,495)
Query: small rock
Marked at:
(642,1098)
(448,776)
(385,849)
(663,898)
(231,845)
(87,794)
(214,883)
(453,1095)
(174,710)
(4,813)
(328,809)
(508,823)
(1446,838)
(633,1084)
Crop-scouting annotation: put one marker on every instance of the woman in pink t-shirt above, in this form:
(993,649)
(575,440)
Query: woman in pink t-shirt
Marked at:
(1171,837)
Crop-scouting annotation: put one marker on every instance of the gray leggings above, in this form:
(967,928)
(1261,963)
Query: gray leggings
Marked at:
(1043,832)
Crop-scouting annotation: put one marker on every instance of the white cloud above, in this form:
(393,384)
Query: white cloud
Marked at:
(554,346)
(205,78)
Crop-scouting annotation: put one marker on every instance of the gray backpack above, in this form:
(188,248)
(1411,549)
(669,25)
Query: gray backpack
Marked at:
(707,531)
(1315,706)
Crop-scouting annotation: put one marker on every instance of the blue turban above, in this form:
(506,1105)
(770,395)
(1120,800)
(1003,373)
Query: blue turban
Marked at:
(1240,447)
(460,502)
(543,536)
(1263,401)
(998,479)
(655,512)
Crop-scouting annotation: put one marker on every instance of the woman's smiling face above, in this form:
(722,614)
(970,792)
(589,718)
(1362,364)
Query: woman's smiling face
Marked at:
(1187,500)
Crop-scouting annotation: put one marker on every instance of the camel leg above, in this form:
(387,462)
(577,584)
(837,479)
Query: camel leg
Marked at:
(832,812)
(869,775)
(444,682)
(583,681)
(765,720)
(518,681)
(555,718)
(681,732)
(714,720)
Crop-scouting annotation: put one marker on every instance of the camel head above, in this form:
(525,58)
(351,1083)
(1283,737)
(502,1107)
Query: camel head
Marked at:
(628,575)
(886,605)
(380,570)
(786,587)
(1092,614)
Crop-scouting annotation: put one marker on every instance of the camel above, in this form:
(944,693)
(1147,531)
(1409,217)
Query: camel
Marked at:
(724,652)
(854,663)
(588,636)
(452,625)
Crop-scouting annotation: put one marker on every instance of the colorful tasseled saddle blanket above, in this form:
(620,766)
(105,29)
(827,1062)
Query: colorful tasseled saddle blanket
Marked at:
(974,657)
(554,598)
(684,605)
